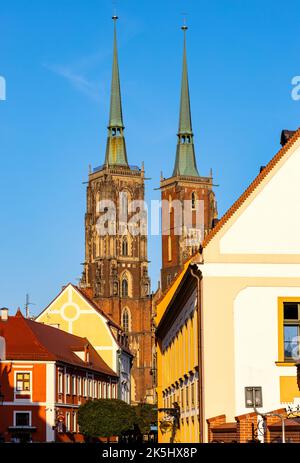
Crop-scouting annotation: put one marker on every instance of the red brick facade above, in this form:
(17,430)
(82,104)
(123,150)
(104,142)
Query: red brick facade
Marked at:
(110,261)
(175,250)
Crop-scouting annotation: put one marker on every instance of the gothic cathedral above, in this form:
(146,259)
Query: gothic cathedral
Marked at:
(116,264)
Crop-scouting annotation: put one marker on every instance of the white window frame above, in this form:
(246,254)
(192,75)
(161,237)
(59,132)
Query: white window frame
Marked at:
(74,385)
(108,391)
(90,388)
(68,384)
(74,422)
(60,381)
(20,393)
(104,390)
(68,421)
(99,390)
(79,386)
(22,411)
(84,387)
(95,390)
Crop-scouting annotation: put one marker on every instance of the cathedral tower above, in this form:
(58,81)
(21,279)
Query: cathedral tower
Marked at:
(191,205)
(116,264)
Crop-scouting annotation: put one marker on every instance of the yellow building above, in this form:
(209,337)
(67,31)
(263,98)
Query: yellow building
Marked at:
(73,311)
(177,361)
(242,291)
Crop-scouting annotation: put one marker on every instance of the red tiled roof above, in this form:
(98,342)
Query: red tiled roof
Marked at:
(252,187)
(30,340)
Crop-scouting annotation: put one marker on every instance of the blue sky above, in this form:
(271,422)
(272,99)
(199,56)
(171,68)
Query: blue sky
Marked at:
(56,58)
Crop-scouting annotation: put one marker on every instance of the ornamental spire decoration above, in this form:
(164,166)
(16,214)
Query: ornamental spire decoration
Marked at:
(116,148)
(185,164)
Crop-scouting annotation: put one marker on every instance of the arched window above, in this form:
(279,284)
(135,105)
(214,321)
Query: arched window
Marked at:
(124,287)
(125,246)
(126,320)
(193,200)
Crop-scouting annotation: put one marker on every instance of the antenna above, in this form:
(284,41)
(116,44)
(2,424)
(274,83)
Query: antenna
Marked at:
(27,304)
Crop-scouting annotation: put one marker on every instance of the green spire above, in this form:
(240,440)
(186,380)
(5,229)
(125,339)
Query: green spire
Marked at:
(115,116)
(185,163)
(116,148)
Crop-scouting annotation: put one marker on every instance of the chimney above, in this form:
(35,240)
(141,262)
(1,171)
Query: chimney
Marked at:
(286,135)
(4,314)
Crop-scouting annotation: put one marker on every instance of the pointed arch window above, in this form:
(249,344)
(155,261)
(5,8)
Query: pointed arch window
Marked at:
(126,320)
(125,287)
(125,246)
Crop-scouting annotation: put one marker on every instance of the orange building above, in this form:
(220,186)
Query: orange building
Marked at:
(45,375)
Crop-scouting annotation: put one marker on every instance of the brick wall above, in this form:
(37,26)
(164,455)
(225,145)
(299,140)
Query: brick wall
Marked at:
(245,429)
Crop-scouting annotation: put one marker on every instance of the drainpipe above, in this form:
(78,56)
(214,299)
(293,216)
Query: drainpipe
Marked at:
(195,272)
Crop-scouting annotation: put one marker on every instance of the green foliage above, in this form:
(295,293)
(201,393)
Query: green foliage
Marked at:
(146,414)
(105,418)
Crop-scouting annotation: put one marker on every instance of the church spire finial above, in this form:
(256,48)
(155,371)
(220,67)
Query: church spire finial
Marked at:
(116,148)
(115,117)
(185,122)
(185,163)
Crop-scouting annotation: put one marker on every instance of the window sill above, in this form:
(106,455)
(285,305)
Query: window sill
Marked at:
(285,363)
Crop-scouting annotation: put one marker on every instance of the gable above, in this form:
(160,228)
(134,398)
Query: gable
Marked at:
(270,223)
(71,312)
(264,219)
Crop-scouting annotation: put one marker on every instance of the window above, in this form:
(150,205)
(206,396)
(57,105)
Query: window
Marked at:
(193,394)
(124,246)
(74,424)
(84,387)
(23,382)
(124,287)
(291,313)
(126,320)
(68,422)
(60,382)
(79,385)
(90,391)
(193,200)
(107,390)
(74,385)
(95,390)
(22,419)
(182,398)
(99,390)
(67,384)
(23,385)
(113,391)
(104,390)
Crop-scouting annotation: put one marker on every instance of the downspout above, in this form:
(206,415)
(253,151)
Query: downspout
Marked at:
(198,276)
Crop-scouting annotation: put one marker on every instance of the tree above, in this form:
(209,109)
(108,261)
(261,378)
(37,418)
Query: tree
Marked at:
(146,414)
(105,418)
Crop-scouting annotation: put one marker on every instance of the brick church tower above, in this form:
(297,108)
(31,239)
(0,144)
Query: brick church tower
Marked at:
(186,194)
(116,263)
